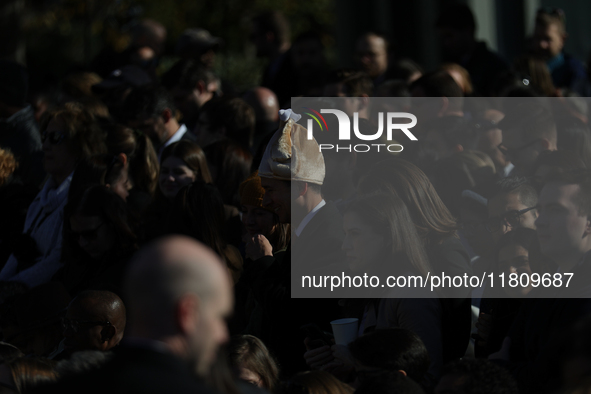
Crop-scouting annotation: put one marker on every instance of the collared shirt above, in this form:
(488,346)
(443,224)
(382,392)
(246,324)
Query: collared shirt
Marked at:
(176,137)
(309,217)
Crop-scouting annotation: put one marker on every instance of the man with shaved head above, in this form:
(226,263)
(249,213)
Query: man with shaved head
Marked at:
(266,111)
(95,320)
(178,293)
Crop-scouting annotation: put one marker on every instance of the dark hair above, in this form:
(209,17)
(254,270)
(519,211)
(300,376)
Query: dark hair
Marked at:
(198,211)
(274,22)
(520,186)
(480,376)
(247,351)
(389,382)
(388,215)
(441,84)
(100,201)
(536,72)
(455,130)
(432,219)
(404,69)
(85,135)
(532,119)
(358,84)
(392,349)
(30,372)
(187,73)
(96,170)
(314,382)
(147,101)
(573,135)
(231,163)
(528,239)
(576,177)
(231,117)
(458,17)
(140,152)
(192,155)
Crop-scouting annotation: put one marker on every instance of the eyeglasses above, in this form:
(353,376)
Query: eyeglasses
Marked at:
(511,152)
(509,219)
(76,325)
(54,137)
(89,235)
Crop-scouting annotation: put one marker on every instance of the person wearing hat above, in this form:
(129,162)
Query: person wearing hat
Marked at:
(292,173)
(198,44)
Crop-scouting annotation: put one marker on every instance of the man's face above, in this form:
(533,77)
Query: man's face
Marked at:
(372,55)
(85,328)
(548,40)
(521,152)
(212,330)
(307,56)
(277,198)
(561,229)
(504,204)
(153,127)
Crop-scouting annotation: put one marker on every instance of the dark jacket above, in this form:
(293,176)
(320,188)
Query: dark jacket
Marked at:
(271,278)
(135,370)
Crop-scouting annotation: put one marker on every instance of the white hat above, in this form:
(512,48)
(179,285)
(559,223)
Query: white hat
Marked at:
(290,155)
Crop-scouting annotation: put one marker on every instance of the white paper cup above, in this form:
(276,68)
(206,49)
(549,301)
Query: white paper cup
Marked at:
(344,330)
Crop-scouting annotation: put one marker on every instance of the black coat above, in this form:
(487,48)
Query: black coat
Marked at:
(271,282)
(135,370)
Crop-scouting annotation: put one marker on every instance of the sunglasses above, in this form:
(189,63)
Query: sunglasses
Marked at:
(54,137)
(509,219)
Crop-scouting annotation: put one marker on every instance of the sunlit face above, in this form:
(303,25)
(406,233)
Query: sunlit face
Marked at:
(514,259)
(174,174)
(548,40)
(123,185)
(562,230)
(362,245)
(505,203)
(372,55)
(250,377)
(93,235)
(277,198)
(257,220)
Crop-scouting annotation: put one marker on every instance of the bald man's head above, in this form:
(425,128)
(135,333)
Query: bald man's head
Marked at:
(264,102)
(179,292)
(95,320)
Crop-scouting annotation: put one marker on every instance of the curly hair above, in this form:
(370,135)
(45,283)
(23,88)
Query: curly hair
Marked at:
(7,165)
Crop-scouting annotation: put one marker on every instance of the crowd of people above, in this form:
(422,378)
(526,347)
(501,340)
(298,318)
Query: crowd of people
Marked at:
(153,223)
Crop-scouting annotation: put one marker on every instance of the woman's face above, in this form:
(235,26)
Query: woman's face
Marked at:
(251,377)
(174,174)
(515,259)
(362,244)
(58,159)
(123,185)
(257,220)
(93,234)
